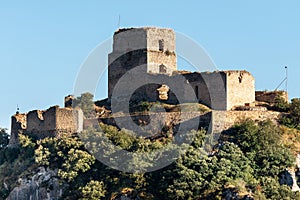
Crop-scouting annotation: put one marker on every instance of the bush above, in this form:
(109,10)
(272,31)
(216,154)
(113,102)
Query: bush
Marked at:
(11,154)
(292,120)
(3,138)
(143,106)
(94,190)
(281,104)
(86,104)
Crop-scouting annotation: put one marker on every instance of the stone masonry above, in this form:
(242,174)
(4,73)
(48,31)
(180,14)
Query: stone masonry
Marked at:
(152,47)
(154,50)
(46,123)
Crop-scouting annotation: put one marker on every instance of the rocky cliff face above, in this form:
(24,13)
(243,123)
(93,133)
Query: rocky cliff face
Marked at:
(289,176)
(41,184)
(297,174)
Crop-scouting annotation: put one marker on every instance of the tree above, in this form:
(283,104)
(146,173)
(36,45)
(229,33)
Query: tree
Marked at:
(67,154)
(94,190)
(292,120)
(3,138)
(281,104)
(262,144)
(86,104)
(295,112)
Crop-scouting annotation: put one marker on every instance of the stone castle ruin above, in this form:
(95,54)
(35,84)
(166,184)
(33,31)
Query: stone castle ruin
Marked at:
(153,51)
(44,123)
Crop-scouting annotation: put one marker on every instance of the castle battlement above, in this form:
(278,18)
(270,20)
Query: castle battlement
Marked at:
(46,123)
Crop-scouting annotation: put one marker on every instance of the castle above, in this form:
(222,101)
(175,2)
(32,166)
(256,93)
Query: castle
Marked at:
(154,49)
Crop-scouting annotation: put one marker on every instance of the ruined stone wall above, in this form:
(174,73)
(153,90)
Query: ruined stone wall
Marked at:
(161,46)
(65,120)
(200,87)
(240,88)
(270,96)
(18,123)
(152,48)
(223,90)
(46,123)
(150,38)
(233,117)
(216,90)
(161,62)
(155,35)
(220,90)
(42,123)
(192,120)
(208,88)
(121,65)
(129,39)
(181,89)
(216,120)
(68,120)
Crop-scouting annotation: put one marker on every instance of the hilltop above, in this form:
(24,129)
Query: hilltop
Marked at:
(249,161)
(160,134)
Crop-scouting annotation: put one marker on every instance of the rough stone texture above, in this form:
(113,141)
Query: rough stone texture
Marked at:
(42,122)
(232,117)
(269,96)
(154,122)
(219,90)
(18,123)
(199,83)
(288,177)
(154,50)
(240,88)
(149,46)
(120,64)
(221,120)
(212,89)
(42,184)
(163,92)
(46,123)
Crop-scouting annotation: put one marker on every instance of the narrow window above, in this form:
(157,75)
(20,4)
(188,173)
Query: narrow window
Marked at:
(161,45)
(197,92)
(162,69)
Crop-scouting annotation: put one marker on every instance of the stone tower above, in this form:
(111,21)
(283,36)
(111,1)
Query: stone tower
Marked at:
(150,47)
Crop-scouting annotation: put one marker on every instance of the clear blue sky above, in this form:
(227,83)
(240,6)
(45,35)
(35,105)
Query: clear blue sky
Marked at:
(43,43)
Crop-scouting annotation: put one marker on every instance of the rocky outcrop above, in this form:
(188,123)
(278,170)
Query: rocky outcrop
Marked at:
(42,184)
(289,176)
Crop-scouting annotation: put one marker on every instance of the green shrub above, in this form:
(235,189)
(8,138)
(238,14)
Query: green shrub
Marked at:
(143,106)
(94,190)
(3,138)
(11,153)
(281,104)
(292,120)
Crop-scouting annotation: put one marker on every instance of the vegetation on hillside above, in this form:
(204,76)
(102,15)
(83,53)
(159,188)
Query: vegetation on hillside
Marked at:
(247,163)
(86,104)
(145,106)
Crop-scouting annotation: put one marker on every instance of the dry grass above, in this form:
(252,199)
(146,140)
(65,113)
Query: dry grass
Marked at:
(291,139)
